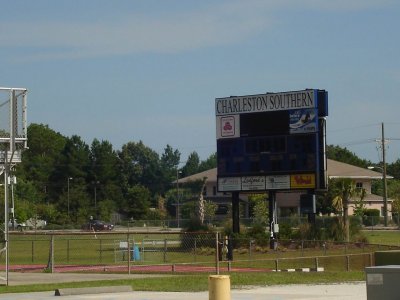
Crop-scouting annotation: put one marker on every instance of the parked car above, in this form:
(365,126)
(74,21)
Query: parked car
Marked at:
(17,225)
(97,225)
(35,223)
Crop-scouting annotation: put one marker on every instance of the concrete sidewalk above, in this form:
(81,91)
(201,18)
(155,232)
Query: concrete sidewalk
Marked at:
(354,291)
(350,291)
(18,278)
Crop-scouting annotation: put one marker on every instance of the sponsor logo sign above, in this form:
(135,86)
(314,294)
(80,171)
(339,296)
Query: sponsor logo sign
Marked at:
(302,181)
(278,182)
(226,184)
(228,126)
(303,121)
(253,183)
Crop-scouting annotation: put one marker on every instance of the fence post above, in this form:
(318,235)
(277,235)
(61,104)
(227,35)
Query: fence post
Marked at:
(33,251)
(101,250)
(276,265)
(365,260)
(143,249)
(52,253)
(347,263)
(316,263)
(129,255)
(68,251)
(195,249)
(165,250)
(250,244)
(216,253)
(50,263)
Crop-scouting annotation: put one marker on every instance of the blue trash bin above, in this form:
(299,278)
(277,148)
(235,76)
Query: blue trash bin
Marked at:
(135,253)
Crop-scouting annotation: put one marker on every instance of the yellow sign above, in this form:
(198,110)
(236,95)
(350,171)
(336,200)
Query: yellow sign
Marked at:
(302,181)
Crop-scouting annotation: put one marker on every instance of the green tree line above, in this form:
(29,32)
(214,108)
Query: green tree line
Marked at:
(64,180)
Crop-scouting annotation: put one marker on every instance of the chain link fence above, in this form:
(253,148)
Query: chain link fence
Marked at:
(164,252)
(294,221)
(112,252)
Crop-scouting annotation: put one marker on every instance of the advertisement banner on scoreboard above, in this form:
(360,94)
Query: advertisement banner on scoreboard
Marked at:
(278,182)
(226,184)
(253,183)
(228,126)
(303,121)
(302,181)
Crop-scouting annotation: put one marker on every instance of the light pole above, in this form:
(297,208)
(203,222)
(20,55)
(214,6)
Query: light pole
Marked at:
(384,183)
(68,179)
(177,196)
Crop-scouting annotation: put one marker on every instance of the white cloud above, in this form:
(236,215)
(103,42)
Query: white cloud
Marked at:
(219,24)
(346,5)
(137,33)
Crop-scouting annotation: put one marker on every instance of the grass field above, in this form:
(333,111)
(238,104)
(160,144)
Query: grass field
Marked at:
(383,237)
(86,249)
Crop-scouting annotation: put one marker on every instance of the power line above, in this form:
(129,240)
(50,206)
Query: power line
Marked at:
(355,127)
(360,142)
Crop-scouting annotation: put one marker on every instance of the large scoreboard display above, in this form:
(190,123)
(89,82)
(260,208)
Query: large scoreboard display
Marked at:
(273,141)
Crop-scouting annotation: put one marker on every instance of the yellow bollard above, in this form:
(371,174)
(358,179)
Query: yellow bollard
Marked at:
(219,287)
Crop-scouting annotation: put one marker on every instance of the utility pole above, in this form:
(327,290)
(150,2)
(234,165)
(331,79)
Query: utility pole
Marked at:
(177,198)
(385,209)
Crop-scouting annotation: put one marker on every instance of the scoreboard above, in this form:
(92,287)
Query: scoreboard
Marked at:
(273,141)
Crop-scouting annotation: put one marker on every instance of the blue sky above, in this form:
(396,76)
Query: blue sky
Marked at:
(150,70)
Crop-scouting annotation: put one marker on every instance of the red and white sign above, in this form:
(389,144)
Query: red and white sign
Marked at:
(228,127)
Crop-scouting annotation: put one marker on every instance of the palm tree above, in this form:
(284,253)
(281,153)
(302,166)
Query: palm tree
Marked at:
(344,190)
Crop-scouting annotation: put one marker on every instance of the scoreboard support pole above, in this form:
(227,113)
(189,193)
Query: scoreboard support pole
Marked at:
(272,219)
(235,212)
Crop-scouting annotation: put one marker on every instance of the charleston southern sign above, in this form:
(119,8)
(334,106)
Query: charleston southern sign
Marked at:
(265,102)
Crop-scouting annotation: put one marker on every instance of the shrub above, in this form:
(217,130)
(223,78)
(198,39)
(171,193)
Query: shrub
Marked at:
(59,227)
(359,238)
(371,217)
(396,218)
(227,230)
(195,225)
(355,225)
(304,231)
(200,240)
(323,229)
(258,234)
(285,231)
